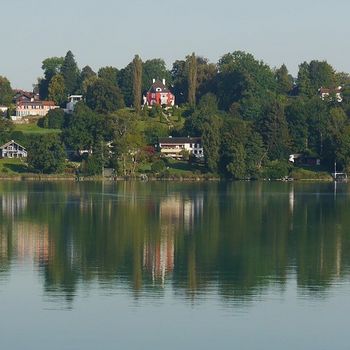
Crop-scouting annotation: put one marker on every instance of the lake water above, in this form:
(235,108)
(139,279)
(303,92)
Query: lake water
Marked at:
(174,266)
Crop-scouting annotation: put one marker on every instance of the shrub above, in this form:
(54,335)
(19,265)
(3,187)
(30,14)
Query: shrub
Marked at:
(158,166)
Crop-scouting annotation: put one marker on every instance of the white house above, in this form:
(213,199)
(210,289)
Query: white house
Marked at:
(12,149)
(329,93)
(72,101)
(172,147)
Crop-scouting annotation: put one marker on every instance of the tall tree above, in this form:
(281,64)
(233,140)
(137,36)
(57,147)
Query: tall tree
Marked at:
(192,79)
(70,72)
(284,80)
(86,73)
(51,66)
(274,129)
(6,93)
(180,81)
(137,83)
(125,82)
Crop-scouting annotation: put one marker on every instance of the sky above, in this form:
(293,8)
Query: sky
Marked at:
(111,32)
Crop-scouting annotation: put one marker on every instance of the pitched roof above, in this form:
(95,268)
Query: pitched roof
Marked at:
(9,143)
(158,85)
(36,103)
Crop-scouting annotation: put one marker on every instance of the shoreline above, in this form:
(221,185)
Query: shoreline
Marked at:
(62,177)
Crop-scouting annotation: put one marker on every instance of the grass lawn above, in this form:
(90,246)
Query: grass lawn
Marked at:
(12,166)
(34,129)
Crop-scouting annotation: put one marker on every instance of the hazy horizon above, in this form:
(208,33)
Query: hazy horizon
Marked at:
(112,32)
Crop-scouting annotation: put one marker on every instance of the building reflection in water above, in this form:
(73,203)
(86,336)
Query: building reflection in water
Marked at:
(13,204)
(177,214)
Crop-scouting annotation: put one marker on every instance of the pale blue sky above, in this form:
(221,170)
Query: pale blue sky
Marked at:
(110,32)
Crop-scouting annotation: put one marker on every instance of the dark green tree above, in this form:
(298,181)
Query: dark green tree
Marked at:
(274,129)
(6,128)
(125,82)
(104,97)
(154,69)
(6,94)
(109,73)
(137,83)
(46,154)
(70,72)
(192,78)
(284,80)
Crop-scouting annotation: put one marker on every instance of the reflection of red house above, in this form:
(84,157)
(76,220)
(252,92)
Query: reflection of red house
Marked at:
(159,94)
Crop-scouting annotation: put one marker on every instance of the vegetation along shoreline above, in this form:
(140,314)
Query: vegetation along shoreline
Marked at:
(237,119)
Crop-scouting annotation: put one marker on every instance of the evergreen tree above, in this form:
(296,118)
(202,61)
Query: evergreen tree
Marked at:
(137,83)
(70,73)
(284,80)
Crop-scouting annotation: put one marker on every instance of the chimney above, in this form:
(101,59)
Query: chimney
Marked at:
(154,80)
(163,81)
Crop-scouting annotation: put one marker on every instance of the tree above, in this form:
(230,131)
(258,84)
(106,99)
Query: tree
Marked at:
(127,142)
(137,83)
(6,127)
(284,80)
(109,73)
(274,129)
(70,73)
(154,69)
(314,75)
(55,118)
(83,128)
(57,92)
(297,119)
(192,79)
(241,77)
(6,93)
(180,81)
(211,139)
(46,154)
(86,74)
(125,82)
(343,150)
(51,66)
(206,74)
(104,97)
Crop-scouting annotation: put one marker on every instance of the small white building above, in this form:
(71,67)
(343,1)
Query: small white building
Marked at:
(72,101)
(173,147)
(13,149)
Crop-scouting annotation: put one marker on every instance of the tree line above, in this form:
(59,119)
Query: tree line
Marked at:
(250,116)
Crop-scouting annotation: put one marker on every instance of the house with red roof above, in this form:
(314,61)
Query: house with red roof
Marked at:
(159,94)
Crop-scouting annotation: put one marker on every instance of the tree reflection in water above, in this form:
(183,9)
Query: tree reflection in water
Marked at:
(233,239)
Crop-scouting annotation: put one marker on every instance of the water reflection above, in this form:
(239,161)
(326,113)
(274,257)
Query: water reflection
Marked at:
(236,240)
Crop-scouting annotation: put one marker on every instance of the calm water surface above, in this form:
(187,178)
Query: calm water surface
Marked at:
(174,266)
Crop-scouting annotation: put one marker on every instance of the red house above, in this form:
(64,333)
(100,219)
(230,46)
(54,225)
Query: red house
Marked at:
(159,94)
